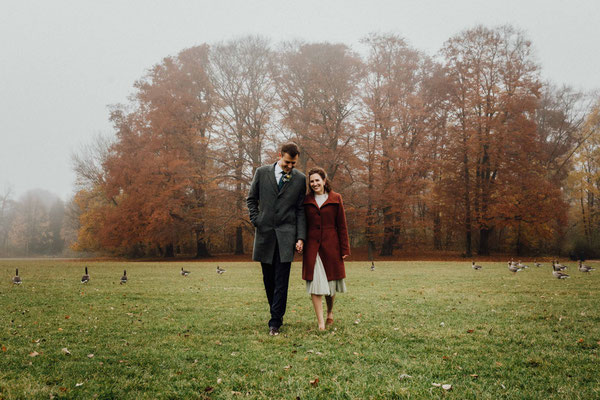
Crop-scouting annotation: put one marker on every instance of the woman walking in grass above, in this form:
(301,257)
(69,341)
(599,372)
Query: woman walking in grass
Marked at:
(326,244)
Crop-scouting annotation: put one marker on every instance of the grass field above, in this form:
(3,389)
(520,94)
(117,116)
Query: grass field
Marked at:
(490,334)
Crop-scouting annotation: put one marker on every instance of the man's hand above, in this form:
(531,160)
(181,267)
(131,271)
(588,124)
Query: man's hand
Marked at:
(299,246)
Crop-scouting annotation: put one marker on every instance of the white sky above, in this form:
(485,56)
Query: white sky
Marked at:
(63,62)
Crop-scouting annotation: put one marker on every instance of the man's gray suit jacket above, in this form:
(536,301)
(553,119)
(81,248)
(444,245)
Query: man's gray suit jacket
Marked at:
(276,214)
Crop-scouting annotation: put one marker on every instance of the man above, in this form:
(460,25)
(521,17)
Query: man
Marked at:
(276,210)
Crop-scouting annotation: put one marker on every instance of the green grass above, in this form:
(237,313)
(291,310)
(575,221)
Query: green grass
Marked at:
(490,334)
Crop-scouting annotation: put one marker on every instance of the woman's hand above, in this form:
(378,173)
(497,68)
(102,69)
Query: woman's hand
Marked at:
(344,256)
(299,246)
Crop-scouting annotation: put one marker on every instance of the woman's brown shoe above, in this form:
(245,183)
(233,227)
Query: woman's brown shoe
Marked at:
(329,321)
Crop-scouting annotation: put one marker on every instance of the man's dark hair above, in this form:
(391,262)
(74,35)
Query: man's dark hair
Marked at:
(290,148)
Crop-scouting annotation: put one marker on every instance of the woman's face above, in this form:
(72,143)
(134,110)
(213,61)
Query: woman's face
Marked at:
(317,183)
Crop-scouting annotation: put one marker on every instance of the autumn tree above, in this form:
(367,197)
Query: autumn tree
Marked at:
(584,186)
(394,121)
(317,86)
(241,74)
(494,96)
(151,192)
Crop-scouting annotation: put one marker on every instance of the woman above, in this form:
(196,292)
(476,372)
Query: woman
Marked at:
(326,244)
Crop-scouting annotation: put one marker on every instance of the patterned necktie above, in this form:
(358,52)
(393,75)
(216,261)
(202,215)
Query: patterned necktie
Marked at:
(281,182)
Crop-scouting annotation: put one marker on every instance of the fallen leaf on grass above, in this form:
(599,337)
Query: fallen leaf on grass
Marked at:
(436,384)
(66,351)
(357,322)
(498,363)
(315,382)
(405,376)
(79,384)
(355,353)
(234,393)
(470,330)
(34,354)
(219,380)
(4,347)
(208,389)
(60,329)
(287,367)
(447,387)
(90,356)
(474,376)
(62,389)
(67,316)
(580,340)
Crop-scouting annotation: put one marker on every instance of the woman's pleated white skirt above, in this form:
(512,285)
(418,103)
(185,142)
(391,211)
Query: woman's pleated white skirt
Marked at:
(320,286)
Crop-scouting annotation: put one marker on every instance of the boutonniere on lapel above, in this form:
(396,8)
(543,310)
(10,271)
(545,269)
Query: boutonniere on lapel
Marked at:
(286,178)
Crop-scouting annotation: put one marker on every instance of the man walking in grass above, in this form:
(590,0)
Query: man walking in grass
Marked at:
(276,210)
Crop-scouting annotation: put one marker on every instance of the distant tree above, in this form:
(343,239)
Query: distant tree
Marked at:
(30,231)
(56,216)
(7,214)
(584,181)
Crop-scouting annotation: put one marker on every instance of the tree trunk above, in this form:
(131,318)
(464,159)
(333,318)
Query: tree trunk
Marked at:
(387,248)
(467,195)
(519,247)
(437,230)
(170,251)
(201,246)
(484,239)
(239,240)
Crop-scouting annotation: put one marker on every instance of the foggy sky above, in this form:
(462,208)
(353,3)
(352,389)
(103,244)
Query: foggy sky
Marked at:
(63,62)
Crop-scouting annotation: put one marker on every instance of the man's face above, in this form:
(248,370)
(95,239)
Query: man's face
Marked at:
(286,162)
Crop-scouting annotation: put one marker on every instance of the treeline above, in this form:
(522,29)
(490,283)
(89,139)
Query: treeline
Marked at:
(470,150)
(36,224)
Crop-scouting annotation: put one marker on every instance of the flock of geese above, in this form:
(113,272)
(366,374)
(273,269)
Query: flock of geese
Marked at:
(86,277)
(514,267)
(557,268)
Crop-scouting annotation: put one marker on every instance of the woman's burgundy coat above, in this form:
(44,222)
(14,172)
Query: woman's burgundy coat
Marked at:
(326,234)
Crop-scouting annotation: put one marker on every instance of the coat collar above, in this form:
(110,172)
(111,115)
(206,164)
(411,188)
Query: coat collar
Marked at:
(333,198)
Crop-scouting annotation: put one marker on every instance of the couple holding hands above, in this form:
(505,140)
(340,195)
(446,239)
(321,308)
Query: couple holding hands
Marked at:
(287,218)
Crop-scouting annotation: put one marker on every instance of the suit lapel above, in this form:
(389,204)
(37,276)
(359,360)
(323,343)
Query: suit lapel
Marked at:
(272,177)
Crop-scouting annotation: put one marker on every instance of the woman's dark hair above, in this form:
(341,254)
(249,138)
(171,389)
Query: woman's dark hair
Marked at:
(323,175)
(290,148)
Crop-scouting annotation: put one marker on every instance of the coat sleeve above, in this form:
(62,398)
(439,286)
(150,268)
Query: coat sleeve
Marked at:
(253,196)
(300,216)
(342,229)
